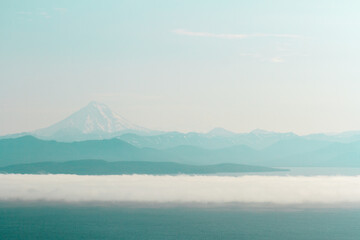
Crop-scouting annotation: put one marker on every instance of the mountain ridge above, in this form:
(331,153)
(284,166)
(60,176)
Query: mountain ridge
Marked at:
(286,153)
(96,121)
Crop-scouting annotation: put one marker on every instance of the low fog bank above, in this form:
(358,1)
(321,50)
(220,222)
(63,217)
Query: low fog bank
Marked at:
(181,189)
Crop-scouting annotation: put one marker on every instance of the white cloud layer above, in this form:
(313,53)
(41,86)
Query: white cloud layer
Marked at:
(231,36)
(181,189)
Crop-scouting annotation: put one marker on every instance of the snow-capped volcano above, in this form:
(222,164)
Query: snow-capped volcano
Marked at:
(95,121)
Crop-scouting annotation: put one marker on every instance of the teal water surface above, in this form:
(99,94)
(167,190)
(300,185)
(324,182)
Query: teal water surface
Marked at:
(118,222)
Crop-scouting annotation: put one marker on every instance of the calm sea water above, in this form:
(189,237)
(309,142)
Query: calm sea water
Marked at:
(118,222)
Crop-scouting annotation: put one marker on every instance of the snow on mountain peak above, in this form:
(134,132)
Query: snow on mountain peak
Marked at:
(95,104)
(95,118)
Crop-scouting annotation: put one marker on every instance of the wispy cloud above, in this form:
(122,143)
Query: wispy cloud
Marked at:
(181,189)
(45,14)
(277,60)
(232,36)
(60,10)
(278,56)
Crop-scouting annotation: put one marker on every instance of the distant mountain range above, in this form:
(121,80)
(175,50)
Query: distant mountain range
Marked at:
(96,121)
(256,139)
(95,132)
(296,152)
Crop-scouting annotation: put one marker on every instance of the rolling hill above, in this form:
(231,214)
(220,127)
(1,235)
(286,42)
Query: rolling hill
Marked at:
(100,167)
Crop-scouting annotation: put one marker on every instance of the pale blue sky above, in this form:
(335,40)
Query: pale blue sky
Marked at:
(183,65)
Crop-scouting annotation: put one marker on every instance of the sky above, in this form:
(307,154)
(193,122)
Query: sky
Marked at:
(182,65)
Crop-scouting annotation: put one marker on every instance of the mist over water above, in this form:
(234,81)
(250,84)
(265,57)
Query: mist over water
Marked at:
(182,189)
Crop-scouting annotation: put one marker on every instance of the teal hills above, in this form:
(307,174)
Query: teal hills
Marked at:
(101,167)
(297,152)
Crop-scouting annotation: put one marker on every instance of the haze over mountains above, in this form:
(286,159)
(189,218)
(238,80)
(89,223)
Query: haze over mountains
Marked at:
(95,132)
(96,121)
(287,153)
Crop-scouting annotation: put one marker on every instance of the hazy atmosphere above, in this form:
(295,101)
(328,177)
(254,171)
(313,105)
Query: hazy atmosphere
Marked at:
(285,66)
(182,189)
(179,119)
